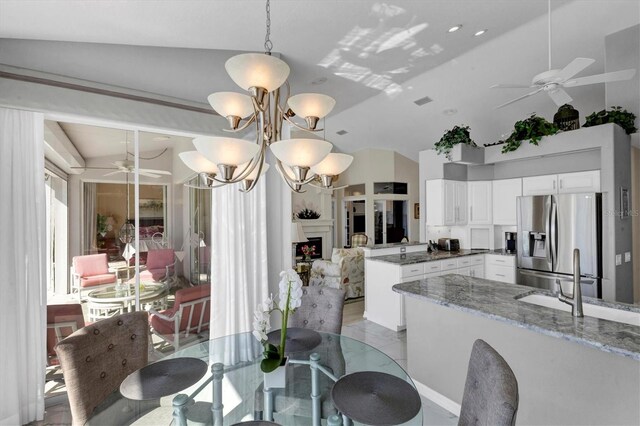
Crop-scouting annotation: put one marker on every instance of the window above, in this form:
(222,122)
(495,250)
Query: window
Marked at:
(390,188)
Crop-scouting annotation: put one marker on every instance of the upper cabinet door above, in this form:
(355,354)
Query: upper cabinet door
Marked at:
(449,202)
(579,182)
(540,185)
(461,203)
(480,202)
(505,192)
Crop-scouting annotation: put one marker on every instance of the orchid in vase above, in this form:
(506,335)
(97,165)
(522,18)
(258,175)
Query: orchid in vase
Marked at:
(290,294)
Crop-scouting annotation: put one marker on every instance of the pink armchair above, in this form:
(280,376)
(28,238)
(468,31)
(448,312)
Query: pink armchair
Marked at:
(90,272)
(186,320)
(161,266)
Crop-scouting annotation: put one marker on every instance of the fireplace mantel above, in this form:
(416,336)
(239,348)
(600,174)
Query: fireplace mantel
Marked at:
(320,228)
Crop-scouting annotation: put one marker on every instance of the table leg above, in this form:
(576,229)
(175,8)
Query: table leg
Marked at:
(268,404)
(179,407)
(334,420)
(217,371)
(315,390)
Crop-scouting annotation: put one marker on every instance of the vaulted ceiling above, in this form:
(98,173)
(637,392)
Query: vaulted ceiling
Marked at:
(375,58)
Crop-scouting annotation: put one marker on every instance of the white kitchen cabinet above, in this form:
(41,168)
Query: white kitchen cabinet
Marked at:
(564,183)
(579,182)
(480,202)
(477,271)
(446,202)
(540,185)
(505,192)
(500,268)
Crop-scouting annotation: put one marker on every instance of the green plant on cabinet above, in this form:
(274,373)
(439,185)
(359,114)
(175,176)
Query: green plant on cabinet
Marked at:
(616,114)
(533,129)
(455,136)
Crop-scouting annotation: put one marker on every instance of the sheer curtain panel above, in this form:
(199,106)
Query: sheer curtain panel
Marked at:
(90,219)
(23,266)
(239,260)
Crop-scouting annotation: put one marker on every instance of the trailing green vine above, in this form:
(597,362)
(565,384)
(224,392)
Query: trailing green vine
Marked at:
(455,136)
(533,129)
(621,117)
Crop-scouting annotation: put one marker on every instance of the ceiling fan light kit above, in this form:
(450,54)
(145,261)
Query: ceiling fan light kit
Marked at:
(238,160)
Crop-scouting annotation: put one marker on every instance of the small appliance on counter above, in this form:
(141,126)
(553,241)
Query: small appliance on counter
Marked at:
(449,244)
(510,242)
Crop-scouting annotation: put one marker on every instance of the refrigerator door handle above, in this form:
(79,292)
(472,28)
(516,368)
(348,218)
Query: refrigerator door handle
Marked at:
(553,237)
(538,274)
(547,231)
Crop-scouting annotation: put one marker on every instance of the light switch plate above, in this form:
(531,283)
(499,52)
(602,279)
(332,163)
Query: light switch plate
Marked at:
(627,256)
(618,259)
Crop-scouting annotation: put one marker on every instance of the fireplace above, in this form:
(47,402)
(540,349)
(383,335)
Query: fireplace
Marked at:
(313,241)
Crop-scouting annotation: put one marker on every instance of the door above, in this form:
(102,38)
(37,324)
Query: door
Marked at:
(540,185)
(551,281)
(480,203)
(505,193)
(391,221)
(575,223)
(449,202)
(461,203)
(579,182)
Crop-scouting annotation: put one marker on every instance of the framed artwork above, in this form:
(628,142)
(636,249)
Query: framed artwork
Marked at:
(416,211)
(625,204)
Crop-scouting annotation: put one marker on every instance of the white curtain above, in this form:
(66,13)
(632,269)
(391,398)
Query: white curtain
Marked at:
(23,266)
(90,218)
(239,257)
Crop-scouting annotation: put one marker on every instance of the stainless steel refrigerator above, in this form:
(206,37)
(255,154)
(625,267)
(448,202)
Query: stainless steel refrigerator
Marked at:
(549,228)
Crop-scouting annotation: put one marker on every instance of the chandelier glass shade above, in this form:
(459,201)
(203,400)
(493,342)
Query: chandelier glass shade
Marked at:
(225,160)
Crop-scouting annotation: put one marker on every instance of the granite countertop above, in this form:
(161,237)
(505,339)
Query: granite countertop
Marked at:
(500,252)
(423,256)
(392,245)
(497,301)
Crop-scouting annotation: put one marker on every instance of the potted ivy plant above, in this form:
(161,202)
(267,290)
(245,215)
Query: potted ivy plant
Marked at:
(457,135)
(533,129)
(616,114)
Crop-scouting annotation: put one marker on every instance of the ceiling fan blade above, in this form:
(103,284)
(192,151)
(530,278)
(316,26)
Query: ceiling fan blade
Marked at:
(114,173)
(95,168)
(607,77)
(577,65)
(157,172)
(148,174)
(510,86)
(519,98)
(559,96)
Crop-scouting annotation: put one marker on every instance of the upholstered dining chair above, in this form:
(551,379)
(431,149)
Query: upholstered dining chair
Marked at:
(97,358)
(358,240)
(490,391)
(321,310)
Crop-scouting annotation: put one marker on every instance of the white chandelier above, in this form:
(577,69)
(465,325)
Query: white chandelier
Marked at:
(223,160)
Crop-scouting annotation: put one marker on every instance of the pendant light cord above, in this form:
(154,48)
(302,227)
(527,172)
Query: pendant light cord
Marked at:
(268,45)
(549,30)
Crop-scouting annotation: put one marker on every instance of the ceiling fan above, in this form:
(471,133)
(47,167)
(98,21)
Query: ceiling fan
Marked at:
(554,81)
(128,166)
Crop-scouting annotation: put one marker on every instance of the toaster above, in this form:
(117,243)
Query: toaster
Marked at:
(449,244)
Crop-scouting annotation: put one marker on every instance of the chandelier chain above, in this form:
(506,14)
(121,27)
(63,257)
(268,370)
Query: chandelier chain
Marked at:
(268,45)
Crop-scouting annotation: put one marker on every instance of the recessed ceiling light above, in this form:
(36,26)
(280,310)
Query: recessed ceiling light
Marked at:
(449,111)
(454,28)
(479,33)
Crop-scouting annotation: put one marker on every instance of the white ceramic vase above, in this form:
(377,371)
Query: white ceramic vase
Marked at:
(277,378)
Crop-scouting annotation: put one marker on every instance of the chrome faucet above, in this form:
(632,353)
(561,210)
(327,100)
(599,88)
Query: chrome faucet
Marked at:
(576,300)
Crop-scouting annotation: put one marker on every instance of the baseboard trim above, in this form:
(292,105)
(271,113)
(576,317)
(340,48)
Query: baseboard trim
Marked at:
(446,403)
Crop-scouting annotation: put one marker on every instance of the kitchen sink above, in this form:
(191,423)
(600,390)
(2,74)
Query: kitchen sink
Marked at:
(590,310)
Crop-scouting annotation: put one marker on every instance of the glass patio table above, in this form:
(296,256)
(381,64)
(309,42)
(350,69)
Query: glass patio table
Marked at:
(113,300)
(232,390)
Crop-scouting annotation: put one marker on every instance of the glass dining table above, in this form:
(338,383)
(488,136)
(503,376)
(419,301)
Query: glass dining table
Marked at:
(232,390)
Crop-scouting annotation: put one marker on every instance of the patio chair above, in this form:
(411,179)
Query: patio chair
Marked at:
(188,318)
(161,267)
(97,358)
(90,272)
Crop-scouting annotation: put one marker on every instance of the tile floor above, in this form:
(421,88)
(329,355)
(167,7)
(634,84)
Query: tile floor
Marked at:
(391,343)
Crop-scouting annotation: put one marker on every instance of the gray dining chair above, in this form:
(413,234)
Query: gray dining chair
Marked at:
(491,389)
(321,310)
(97,358)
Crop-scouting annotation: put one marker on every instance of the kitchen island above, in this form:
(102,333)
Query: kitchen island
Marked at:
(385,307)
(569,370)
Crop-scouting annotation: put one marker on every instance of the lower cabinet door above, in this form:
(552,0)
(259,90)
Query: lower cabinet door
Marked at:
(477,271)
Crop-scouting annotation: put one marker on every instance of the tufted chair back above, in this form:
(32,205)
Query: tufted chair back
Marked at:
(491,390)
(321,310)
(97,358)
